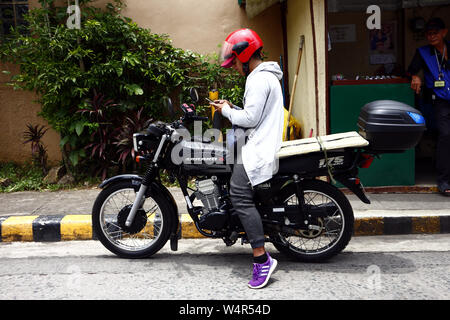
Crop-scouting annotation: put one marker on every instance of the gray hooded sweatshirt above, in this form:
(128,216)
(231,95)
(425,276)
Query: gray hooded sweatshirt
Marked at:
(263,113)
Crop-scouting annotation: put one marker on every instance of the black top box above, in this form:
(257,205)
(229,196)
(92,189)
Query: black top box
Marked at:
(391,126)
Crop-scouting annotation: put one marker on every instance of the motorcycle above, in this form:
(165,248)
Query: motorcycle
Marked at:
(306,218)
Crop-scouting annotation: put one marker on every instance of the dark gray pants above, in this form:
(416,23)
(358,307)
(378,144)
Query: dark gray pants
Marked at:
(241,195)
(442,114)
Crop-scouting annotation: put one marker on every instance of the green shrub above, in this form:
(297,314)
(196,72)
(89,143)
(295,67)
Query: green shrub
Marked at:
(28,177)
(130,67)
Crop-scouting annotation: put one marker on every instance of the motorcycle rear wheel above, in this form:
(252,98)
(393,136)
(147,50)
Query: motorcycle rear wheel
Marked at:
(335,230)
(150,229)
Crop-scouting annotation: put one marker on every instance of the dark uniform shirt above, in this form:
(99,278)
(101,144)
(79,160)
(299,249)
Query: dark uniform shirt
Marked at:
(418,63)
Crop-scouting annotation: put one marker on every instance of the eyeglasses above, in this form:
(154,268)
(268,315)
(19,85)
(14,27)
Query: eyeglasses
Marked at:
(432,33)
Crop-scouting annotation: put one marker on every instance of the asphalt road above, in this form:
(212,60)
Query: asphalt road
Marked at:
(381,267)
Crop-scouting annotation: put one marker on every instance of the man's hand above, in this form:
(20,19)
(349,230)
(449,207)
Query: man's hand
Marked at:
(416,84)
(219,104)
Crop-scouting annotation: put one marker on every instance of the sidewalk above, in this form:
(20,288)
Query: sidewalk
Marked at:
(65,215)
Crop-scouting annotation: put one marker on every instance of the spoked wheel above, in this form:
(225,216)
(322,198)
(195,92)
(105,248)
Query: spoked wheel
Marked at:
(329,233)
(147,234)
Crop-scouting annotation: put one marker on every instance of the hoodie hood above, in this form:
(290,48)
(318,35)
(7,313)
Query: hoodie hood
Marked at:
(269,66)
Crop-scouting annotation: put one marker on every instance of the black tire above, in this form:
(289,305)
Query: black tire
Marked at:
(105,228)
(334,197)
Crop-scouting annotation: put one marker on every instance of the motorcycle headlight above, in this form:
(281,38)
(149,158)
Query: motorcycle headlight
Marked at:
(148,140)
(145,142)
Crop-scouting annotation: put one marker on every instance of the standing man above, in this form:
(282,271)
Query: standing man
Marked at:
(433,60)
(263,112)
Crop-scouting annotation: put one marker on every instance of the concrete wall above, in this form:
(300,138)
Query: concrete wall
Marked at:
(201,26)
(197,25)
(17,109)
(312,74)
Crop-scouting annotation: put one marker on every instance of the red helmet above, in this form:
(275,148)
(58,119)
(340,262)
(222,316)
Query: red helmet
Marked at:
(242,44)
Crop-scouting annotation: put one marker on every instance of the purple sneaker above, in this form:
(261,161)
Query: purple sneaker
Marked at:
(262,273)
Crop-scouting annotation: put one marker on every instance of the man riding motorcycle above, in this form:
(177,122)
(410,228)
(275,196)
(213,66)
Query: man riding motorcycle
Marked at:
(255,161)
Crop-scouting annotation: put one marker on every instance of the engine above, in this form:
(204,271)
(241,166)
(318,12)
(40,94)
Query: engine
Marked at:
(213,218)
(208,193)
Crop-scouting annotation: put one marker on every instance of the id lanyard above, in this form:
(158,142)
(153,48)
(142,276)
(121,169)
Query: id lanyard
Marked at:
(441,75)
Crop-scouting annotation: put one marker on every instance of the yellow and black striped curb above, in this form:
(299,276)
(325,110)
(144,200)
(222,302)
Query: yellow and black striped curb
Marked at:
(46,228)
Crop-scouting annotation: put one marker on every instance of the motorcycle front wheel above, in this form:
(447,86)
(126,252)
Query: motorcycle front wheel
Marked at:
(149,231)
(331,233)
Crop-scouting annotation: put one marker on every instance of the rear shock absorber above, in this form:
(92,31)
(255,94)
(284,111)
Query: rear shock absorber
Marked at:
(301,198)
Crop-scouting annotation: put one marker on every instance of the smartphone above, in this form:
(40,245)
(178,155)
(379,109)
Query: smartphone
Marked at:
(211,102)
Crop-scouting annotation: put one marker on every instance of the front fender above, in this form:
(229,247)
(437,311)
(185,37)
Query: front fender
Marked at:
(135,180)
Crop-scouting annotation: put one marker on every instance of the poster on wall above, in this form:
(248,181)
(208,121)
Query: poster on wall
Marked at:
(342,33)
(383,44)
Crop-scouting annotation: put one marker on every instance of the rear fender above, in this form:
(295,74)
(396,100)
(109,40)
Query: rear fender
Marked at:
(354,185)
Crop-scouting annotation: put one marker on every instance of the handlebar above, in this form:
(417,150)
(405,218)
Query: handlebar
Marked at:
(188,119)
(189,115)
(199,118)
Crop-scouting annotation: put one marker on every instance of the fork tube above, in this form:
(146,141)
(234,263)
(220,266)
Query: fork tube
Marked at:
(140,197)
(148,178)
(136,204)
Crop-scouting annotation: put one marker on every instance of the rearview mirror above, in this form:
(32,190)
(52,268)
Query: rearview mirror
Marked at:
(169,106)
(194,95)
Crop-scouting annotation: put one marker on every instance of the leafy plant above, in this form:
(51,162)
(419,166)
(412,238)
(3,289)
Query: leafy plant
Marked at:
(21,177)
(102,128)
(26,177)
(124,140)
(34,135)
(97,109)
(112,127)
